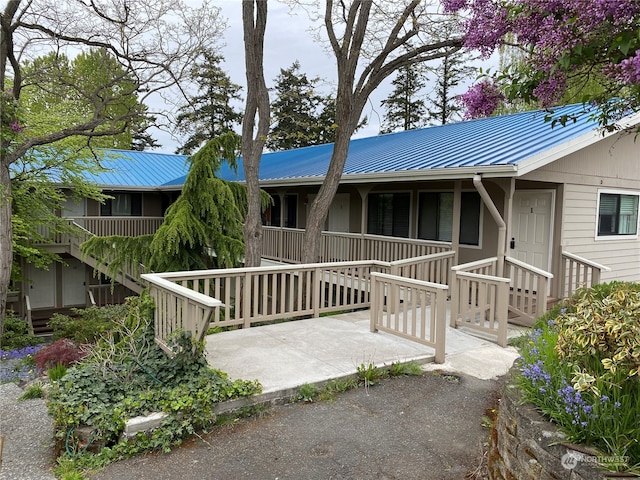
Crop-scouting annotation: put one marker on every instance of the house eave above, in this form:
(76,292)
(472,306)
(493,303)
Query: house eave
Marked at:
(456,173)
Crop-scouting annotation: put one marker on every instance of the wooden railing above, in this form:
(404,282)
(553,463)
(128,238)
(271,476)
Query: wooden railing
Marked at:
(106,226)
(577,272)
(420,316)
(255,295)
(129,276)
(179,309)
(101,295)
(528,291)
(479,300)
(28,313)
(286,245)
(434,268)
(251,296)
(126,226)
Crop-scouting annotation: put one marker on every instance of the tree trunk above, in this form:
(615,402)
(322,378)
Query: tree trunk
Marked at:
(6,234)
(254,19)
(353,94)
(322,201)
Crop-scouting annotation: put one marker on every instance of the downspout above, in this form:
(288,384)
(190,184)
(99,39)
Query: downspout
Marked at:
(502,226)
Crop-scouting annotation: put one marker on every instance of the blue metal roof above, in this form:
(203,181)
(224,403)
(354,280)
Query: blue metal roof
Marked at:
(485,143)
(133,169)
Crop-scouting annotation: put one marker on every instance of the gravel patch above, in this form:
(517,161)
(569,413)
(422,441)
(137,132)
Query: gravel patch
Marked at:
(28,436)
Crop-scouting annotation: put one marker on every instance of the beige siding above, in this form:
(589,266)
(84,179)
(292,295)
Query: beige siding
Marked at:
(612,163)
(579,236)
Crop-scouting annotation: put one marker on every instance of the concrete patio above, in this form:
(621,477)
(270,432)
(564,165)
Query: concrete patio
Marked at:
(286,355)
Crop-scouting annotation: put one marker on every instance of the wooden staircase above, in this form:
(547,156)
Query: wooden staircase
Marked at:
(129,278)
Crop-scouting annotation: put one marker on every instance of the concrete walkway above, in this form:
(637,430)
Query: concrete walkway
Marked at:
(286,355)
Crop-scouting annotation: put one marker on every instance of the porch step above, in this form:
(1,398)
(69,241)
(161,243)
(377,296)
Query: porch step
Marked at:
(40,319)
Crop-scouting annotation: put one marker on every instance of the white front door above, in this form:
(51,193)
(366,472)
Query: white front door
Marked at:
(531,227)
(42,289)
(73,283)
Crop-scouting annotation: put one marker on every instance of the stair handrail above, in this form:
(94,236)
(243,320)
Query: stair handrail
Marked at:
(586,261)
(83,236)
(28,314)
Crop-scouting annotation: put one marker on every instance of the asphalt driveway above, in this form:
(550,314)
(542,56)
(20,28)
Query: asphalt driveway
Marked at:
(425,428)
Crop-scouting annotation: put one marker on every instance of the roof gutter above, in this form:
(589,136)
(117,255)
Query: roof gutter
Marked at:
(502,226)
(454,173)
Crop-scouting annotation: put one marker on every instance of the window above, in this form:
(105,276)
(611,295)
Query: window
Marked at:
(272,215)
(122,205)
(389,214)
(617,214)
(435,217)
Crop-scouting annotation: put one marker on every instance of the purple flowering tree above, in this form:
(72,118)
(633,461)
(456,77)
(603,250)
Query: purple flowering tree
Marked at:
(564,43)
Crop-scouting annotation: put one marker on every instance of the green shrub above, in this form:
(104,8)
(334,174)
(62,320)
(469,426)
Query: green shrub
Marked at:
(87,325)
(369,374)
(580,367)
(307,392)
(127,375)
(35,390)
(398,369)
(16,334)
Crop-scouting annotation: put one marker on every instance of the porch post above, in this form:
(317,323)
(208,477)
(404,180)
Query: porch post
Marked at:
(455,231)
(364,214)
(508,212)
(502,227)
(281,255)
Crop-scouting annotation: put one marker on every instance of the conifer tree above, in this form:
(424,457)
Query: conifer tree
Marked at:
(453,69)
(207,217)
(210,112)
(300,115)
(404,109)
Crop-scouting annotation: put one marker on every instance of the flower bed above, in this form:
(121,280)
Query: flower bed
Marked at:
(19,365)
(580,368)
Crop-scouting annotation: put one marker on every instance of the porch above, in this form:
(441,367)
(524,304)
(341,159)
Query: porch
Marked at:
(422,299)
(390,276)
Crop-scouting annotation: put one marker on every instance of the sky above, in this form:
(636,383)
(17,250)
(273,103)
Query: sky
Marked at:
(287,39)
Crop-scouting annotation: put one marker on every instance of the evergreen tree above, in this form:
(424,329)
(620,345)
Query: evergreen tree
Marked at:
(453,69)
(404,111)
(206,217)
(208,114)
(300,115)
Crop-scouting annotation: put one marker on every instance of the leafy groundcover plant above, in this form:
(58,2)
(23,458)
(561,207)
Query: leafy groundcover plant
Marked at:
(127,375)
(580,368)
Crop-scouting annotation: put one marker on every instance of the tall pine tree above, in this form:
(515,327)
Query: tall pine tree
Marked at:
(300,115)
(404,109)
(210,113)
(454,69)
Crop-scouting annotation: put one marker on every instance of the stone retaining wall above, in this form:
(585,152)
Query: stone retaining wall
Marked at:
(523,445)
